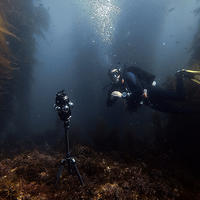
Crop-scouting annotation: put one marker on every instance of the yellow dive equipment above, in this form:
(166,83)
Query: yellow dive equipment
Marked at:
(193,75)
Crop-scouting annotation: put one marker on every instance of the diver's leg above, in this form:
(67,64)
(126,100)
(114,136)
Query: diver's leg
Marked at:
(180,90)
(190,74)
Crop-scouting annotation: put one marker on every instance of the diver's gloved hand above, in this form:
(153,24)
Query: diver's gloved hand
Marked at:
(145,94)
(117,94)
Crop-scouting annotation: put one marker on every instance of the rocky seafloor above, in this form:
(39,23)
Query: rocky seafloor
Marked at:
(107,175)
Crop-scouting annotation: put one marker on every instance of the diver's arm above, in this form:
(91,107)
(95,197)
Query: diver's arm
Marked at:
(115,95)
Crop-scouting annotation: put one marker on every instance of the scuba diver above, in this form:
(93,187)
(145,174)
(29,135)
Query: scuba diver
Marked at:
(139,87)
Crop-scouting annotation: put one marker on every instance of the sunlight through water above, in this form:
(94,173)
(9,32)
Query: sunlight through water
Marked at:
(103,15)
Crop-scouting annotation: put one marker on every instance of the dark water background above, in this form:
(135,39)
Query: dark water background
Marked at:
(83,40)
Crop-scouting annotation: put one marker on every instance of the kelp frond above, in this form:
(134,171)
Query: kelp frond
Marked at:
(4,52)
(5,31)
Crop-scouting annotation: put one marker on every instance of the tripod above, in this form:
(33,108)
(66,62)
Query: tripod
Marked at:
(70,161)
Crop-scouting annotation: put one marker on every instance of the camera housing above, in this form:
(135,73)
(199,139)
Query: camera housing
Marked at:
(63,106)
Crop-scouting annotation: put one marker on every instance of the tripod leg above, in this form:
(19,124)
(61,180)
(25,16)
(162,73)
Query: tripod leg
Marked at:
(69,165)
(59,173)
(77,171)
(70,161)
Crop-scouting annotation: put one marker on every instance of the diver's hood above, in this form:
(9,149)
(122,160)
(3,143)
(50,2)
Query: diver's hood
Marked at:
(115,75)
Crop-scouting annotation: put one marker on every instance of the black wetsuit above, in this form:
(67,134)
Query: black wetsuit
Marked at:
(158,98)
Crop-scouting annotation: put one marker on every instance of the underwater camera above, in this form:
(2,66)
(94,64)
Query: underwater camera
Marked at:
(63,106)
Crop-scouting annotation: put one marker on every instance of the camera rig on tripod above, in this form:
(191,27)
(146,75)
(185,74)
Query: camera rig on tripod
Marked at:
(63,106)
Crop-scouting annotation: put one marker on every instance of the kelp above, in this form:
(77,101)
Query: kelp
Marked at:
(20,22)
(3,28)
(110,175)
(4,52)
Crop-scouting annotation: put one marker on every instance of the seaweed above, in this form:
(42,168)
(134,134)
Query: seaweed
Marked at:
(32,175)
(20,21)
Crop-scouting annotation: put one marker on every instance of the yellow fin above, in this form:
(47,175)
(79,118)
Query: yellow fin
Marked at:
(196,81)
(192,71)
